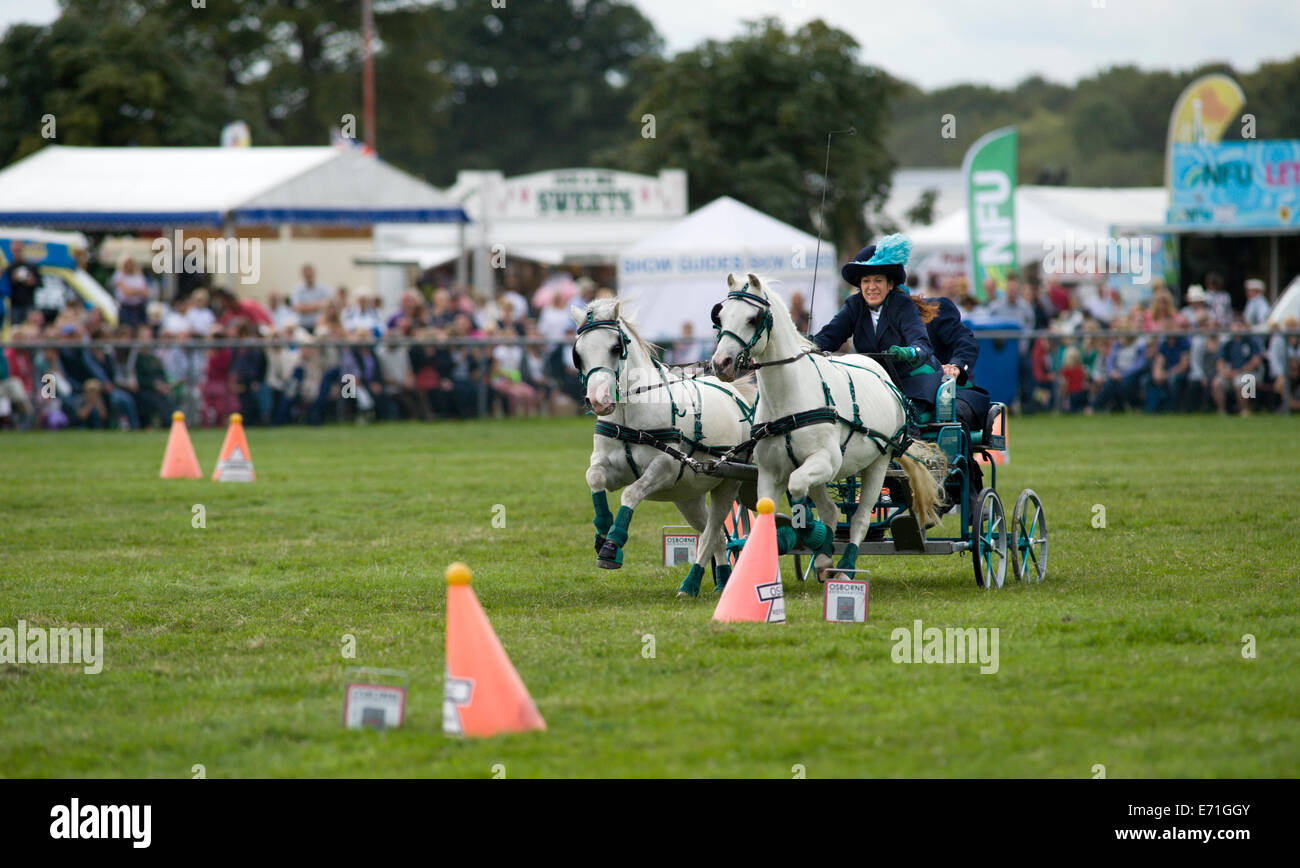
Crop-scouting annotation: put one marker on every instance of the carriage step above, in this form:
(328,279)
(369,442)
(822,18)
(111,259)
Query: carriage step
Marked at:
(907,534)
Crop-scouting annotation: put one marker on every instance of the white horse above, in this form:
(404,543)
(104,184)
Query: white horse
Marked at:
(640,402)
(815,440)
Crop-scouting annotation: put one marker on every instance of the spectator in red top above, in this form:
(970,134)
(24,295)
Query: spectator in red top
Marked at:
(1059,296)
(233,307)
(1040,360)
(1074,379)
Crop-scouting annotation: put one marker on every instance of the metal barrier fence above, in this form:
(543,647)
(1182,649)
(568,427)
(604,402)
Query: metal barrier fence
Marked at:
(478,387)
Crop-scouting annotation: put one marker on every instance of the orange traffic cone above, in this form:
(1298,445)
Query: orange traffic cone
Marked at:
(179,461)
(235,464)
(753,592)
(483,694)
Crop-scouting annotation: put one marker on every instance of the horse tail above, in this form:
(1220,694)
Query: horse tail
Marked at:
(927,491)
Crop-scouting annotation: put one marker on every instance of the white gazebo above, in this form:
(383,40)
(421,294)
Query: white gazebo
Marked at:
(677,274)
(150,188)
(303,204)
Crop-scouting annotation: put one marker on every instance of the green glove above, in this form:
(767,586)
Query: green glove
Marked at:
(904,354)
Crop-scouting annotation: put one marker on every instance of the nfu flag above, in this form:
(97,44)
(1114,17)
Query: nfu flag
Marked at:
(990,172)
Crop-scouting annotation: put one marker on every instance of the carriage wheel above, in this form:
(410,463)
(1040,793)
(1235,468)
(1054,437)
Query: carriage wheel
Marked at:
(1029,548)
(989,540)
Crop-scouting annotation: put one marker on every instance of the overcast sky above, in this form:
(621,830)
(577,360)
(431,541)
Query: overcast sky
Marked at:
(939,42)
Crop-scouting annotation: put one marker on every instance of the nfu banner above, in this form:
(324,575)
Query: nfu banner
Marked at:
(990,172)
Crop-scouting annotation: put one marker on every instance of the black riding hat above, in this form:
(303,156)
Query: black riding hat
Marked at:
(887,258)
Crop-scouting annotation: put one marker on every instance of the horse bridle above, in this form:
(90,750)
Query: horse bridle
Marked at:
(743,359)
(591,324)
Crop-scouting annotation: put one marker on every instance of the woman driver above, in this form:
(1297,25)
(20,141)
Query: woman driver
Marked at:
(881,318)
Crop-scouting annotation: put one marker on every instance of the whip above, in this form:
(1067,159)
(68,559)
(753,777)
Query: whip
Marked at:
(812,296)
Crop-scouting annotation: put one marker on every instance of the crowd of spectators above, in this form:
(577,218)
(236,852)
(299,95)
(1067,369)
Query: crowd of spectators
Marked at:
(341,357)
(1221,364)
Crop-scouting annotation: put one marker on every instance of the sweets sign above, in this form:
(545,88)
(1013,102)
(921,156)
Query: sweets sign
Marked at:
(591,193)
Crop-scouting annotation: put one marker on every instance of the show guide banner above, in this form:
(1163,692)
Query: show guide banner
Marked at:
(990,172)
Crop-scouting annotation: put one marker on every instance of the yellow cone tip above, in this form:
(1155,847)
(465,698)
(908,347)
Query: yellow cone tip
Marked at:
(458,574)
(766,506)
(236,418)
(178,416)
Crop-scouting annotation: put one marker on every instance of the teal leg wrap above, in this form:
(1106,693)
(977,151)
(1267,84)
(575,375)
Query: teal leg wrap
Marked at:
(618,533)
(691,584)
(817,537)
(849,560)
(604,518)
(720,576)
(785,539)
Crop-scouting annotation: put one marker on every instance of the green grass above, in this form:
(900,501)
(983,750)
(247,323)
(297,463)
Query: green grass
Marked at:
(222,645)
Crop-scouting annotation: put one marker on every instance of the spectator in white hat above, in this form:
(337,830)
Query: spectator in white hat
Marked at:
(1257,305)
(1195,306)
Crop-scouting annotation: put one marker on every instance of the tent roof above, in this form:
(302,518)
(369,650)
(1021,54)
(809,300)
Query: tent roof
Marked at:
(723,223)
(154,187)
(1048,213)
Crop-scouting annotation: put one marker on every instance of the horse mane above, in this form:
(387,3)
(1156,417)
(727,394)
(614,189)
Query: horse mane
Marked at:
(611,308)
(781,313)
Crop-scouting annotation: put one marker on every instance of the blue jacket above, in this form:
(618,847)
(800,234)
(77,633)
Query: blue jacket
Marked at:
(900,325)
(952,341)
(954,344)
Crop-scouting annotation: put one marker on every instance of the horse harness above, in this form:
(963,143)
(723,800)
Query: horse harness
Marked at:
(657,438)
(895,445)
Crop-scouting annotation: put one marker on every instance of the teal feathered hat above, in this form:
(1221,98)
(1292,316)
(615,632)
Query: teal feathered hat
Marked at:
(887,258)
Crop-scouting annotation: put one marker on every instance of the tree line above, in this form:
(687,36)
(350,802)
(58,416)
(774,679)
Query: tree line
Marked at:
(549,84)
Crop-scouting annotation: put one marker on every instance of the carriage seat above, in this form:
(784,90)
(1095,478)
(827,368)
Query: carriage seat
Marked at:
(945,404)
(994,435)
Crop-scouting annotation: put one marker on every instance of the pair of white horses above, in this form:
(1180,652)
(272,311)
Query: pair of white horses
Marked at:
(754,325)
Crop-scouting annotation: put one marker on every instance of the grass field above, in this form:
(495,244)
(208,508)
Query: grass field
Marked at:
(222,644)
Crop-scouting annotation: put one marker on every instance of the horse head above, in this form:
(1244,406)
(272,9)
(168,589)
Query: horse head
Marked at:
(600,352)
(743,321)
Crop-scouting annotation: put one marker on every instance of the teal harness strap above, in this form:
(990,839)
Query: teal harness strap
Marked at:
(895,445)
(657,438)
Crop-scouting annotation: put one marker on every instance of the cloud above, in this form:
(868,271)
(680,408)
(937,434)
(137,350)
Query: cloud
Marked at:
(934,43)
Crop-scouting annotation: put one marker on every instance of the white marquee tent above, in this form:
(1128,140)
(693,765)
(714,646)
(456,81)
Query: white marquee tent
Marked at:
(148,188)
(1045,215)
(677,274)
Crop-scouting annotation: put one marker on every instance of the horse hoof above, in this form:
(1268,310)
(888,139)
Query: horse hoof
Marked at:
(610,556)
(684,595)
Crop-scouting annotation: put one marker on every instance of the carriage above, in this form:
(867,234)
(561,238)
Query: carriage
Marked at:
(982,528)
(908,479)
